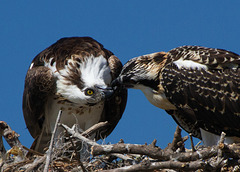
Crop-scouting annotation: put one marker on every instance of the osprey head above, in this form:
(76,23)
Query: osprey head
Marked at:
(141,71)
(85,82)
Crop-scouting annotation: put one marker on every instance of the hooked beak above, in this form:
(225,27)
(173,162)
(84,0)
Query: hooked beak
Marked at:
(118,83)
(107,92)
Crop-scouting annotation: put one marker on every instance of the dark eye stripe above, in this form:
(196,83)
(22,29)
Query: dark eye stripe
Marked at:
(150,83)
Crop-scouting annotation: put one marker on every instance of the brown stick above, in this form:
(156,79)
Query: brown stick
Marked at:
(49,151)
(94,128)
(153,152)
(11,136)
(177,142)
(36,163)
(2,148)
(150,166)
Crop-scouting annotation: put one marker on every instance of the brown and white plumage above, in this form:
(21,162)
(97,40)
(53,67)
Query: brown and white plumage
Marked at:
(74,75)
(199,87)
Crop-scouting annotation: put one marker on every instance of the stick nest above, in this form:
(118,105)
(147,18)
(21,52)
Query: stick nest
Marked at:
(76,152)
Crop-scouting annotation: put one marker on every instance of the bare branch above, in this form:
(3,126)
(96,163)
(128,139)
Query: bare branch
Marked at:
(33,151)
(77,153)
(2,148)
(94,128)
(88,141)
(177,142)
(220,152)
(192,144)
(78,135)
(11,136)
(155,153)
(49,152)
(150,166)
(36,163)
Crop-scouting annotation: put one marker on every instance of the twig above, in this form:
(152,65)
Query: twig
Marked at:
(88,141)
(2,148)
(94,128)
(77,153)
(220,145)
(177,141)
(33,151)
(15,166)
(49,152)
(196,146)
(87,133)
(11,136)
(154,152)
(36,163)
(192,144)
(78,135)
(150,166)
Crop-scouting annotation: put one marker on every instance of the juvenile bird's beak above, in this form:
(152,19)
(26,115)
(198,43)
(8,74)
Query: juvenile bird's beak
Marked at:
(116,83)
(119,83)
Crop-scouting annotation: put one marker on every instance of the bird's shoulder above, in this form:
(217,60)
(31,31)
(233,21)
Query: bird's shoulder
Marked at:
(213,58)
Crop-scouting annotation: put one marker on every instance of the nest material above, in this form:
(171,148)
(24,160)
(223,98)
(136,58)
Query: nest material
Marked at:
(67,155)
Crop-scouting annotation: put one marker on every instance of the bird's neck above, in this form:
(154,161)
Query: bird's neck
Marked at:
(156,98)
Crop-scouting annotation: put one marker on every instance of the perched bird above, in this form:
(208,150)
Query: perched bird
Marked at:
(199,87)
(73,75)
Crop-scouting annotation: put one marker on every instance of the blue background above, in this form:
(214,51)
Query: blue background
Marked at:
(127,28)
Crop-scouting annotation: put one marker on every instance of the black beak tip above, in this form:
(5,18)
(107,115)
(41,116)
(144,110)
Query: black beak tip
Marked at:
(115,83)
(108,94)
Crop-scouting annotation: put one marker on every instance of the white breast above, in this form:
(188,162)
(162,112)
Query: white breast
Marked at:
(155,98)
(85,117)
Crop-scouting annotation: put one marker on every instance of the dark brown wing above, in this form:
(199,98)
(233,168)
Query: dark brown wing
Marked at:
(115,106)
(39,84)
(209,97)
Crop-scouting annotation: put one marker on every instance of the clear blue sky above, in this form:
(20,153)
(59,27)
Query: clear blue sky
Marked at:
(128,29)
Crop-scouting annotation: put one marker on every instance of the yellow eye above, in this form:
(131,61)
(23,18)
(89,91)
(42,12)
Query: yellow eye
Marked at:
(89,92)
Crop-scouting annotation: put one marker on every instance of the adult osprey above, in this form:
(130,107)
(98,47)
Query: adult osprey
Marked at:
(74,75)
(199,87)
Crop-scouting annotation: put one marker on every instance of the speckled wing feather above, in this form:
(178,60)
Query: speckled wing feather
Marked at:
(209,98)
(212,57)
(39,84)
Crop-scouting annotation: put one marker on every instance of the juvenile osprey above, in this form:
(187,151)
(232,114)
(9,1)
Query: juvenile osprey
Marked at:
(74,75)
(199,87)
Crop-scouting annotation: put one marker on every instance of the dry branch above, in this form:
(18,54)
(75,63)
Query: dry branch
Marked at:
(9,135)
(150,166)
(49,151)
(76,134)
(2,148)
(94,129)
(177,142)
(37,162)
